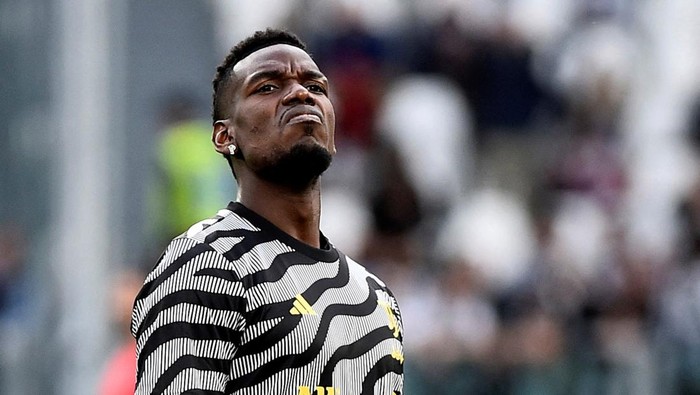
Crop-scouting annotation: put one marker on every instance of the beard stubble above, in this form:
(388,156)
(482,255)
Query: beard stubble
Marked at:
(297,168)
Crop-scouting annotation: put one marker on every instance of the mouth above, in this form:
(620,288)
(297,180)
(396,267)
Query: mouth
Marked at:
(303,114)
(301,118)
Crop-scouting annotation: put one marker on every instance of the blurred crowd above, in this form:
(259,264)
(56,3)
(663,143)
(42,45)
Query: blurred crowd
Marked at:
(484,170)
(489,173)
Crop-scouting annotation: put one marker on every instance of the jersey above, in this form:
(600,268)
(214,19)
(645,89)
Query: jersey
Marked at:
(237,306)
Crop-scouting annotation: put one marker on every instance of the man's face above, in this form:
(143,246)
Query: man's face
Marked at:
(282,120)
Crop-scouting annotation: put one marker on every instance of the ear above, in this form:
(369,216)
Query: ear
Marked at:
(222,136)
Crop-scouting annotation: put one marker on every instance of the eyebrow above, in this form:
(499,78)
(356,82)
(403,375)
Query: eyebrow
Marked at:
(278,73)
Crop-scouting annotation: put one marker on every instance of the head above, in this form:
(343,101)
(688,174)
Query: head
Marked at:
(272,103)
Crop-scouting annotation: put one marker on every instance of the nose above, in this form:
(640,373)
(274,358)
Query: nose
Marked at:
(298,94)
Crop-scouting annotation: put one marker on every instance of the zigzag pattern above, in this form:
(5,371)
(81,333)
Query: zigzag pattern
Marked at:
(216,316)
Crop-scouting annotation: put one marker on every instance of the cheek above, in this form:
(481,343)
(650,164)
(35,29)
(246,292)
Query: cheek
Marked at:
(260,155)
(251,119)
(258,145)
(331,119)
(252,126)
(331,131)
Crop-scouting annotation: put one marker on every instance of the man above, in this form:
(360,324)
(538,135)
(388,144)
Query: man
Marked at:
(256,300)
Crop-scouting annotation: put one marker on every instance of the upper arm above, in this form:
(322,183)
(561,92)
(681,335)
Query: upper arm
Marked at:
(187,321)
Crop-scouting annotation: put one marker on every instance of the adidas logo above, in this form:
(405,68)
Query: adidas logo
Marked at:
(301,307)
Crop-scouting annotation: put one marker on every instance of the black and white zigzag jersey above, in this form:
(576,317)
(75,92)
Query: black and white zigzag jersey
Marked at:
(236,306)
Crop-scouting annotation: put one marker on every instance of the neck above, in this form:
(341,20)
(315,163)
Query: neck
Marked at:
(296,212)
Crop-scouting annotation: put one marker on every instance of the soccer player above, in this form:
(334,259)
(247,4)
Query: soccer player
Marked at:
(256,300)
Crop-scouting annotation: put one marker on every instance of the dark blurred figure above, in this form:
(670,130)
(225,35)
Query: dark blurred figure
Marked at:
(352,57)
(590,160)
(679,307)
(15,295)
(506,94)
(457,348)
(594,86)
(536,343)
(12,266)
(396,213)
(619,313)
(694,127)
(494,72)
(450,51)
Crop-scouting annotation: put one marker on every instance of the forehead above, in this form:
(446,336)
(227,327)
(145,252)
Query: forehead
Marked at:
(275,57)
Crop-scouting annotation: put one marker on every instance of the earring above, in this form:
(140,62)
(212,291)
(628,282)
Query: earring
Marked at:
(232,149)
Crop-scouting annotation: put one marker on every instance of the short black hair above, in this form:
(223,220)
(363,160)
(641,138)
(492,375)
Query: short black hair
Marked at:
(259,40)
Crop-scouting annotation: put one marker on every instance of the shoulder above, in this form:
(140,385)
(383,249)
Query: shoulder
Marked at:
(225,220)
(202,246)
(360,270)
(190,279)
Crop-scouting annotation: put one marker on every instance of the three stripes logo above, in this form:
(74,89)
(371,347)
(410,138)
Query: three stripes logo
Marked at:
(301,307)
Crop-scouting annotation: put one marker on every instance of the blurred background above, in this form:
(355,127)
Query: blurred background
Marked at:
(522,173)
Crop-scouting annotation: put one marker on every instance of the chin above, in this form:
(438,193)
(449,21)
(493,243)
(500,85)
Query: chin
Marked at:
(299,167)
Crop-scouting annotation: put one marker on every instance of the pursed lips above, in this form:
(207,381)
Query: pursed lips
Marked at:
(300,114)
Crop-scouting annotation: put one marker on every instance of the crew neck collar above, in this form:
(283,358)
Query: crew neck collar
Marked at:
(327,254)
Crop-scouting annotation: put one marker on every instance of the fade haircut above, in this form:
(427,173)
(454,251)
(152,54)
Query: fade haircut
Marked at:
(222,78)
